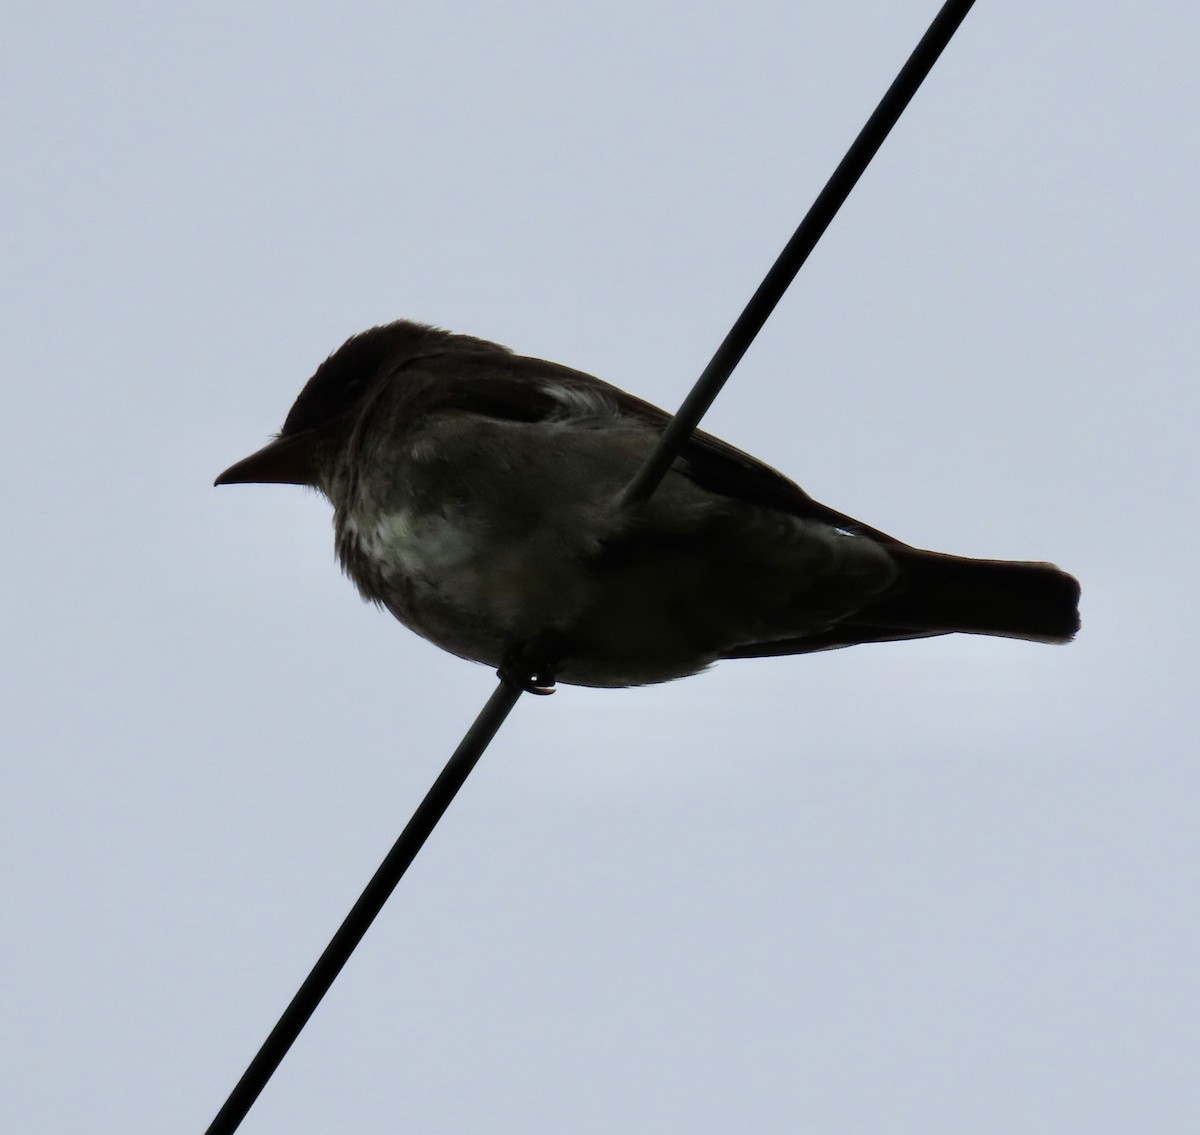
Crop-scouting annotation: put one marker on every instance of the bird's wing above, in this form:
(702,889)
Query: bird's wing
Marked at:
(518,388)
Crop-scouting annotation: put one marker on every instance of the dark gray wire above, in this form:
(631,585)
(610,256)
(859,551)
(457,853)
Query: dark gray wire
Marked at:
(647,479)
(796,251)
(363,913)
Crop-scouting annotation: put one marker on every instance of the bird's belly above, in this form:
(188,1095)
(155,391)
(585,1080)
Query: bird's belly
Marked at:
(654,609)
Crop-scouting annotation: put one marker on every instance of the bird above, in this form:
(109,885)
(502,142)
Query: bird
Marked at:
(477,496)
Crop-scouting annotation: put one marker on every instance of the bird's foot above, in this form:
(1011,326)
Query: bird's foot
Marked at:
(530,665)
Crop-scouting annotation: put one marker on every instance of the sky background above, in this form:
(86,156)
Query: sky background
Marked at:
(947,886)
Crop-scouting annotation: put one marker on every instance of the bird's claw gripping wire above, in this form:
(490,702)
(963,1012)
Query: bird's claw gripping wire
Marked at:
(515,674)
(530,665)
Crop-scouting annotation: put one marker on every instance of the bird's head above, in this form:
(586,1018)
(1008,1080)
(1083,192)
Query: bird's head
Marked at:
(322,417)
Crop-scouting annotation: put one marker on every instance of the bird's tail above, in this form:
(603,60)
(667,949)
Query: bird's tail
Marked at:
(936,594)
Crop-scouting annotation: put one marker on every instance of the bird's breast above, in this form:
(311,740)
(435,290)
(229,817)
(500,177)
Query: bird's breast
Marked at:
(408,542)
(466,584)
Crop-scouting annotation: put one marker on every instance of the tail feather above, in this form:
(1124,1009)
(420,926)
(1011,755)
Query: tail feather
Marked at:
(936,593)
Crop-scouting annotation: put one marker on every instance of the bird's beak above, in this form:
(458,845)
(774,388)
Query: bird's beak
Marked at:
(284,461)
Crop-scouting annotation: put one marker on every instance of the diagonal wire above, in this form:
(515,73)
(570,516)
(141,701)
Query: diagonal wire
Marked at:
(363,913)
(645,481)
(795,252)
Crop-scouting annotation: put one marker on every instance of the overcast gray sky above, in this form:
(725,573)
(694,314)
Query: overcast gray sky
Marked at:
(946,886)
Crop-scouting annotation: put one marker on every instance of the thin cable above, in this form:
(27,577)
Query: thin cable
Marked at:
(498,706)
(363,913)
(796,251)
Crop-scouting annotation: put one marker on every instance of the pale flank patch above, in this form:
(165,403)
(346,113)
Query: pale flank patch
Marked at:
(576,404)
